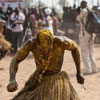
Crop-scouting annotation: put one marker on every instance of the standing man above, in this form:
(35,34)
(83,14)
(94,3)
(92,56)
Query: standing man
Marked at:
(17,19)
(33,21)
(86,41)
(3,8)
(8,33)
(20,7)
(48,20)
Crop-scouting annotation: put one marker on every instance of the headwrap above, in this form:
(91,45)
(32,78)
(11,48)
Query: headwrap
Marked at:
(48,11)
(45,35)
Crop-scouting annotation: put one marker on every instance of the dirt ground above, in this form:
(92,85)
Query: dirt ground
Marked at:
(27,67)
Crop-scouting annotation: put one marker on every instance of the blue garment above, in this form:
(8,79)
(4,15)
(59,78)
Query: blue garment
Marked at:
(4,12)
(8,23)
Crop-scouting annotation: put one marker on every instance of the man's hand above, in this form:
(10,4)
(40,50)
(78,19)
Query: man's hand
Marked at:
(12,86)
(80,79)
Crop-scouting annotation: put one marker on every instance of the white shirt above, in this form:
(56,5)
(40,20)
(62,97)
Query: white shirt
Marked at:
(82,19)
(20,17)
(50,26)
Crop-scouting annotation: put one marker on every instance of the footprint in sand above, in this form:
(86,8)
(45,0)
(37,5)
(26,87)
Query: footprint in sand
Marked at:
(1,68)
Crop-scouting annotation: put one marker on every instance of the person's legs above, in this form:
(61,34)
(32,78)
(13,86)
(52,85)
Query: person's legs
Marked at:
(85,55)
(92,58)
(8,35)
(20,38)
(14,42)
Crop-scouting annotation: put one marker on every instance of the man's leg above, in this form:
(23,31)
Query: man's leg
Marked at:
(20,38)
(9,33)
(92,58)
(85,55)
(14,42)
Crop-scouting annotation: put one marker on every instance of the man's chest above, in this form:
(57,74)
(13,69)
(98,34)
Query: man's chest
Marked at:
(54,54)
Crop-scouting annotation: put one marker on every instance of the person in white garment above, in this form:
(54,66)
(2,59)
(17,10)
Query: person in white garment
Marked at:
(48,20)
(86,42)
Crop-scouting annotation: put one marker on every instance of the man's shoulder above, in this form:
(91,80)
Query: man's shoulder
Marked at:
(61,39)
(85,10)
(31,41)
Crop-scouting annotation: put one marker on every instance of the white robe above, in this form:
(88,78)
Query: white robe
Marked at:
(86,43)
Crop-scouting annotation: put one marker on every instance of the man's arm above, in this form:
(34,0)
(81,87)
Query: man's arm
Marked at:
(46,24)
(22,19)
(68,44)
(82,16)
(20,56)
(19,22)
(72,46)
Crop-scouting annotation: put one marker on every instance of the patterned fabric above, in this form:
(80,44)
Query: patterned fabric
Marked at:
(52,87)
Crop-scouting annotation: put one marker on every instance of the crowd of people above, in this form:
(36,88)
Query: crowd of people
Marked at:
(18,21)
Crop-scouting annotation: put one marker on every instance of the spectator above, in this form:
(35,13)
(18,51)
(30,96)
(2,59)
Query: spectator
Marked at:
(86,42)
(48,20)
(20,6)
(33,21)
(17,19)
(3,8)
(8,33)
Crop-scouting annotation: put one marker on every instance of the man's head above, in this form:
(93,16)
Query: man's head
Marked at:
(45,39)
(34,10)
(83,4)
(19,6)
(3,4)
(17,10)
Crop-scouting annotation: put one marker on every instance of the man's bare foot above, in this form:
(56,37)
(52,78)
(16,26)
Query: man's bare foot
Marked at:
(1,68)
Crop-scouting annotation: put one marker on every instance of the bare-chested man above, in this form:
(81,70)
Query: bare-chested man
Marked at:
(48,82)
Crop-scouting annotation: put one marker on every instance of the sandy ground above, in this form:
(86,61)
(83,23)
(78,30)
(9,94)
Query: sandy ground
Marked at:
(27,67)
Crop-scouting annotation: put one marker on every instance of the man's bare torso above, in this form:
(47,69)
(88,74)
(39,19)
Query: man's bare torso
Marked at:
(53,59)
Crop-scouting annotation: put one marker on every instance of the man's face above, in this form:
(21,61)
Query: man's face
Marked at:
(84,5)
(3,4)
(16,11)
(46,43)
